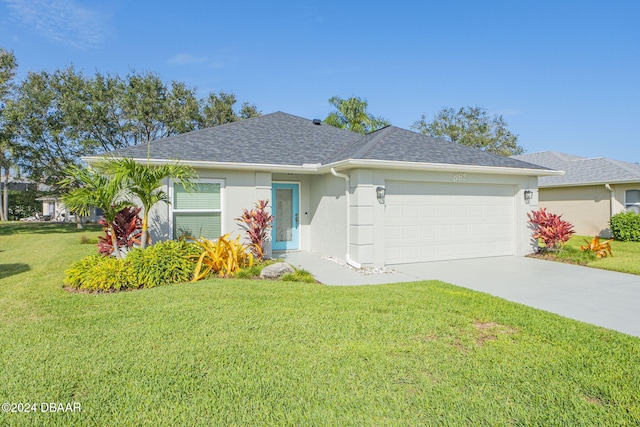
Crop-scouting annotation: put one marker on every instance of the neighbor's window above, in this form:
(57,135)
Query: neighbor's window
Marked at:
(197,213)
(632,201)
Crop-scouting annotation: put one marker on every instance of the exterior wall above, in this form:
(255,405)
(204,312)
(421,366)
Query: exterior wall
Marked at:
(367,214)
(588,208)
(241,191)
(327,216)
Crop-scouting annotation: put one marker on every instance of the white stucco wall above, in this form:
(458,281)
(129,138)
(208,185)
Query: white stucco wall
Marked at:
(368,216)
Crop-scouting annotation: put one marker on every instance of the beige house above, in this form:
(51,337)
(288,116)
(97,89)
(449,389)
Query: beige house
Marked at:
(392,196)
(590,192)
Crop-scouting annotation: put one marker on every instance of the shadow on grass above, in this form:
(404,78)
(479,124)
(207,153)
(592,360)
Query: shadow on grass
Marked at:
(7,270)
(8,228)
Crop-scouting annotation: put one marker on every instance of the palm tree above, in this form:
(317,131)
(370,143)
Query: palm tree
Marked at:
(351,114)
(90,188)
(145,182)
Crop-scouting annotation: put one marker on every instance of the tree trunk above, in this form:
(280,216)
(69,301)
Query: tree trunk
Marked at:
(145,232)
(114,242)
(5,197)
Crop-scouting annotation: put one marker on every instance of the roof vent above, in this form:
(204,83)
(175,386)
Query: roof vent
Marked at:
(317,122)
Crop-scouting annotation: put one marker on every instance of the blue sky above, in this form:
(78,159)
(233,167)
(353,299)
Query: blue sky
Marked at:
(565,75)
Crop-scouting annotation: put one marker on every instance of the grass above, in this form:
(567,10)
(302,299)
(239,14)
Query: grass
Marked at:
(240,352)
(626,255)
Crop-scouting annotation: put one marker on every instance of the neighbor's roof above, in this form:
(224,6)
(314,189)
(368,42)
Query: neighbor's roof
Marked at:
(582,170)
(287,140)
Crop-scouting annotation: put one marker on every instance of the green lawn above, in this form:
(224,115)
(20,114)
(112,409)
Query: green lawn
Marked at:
(626,255)
(238,352)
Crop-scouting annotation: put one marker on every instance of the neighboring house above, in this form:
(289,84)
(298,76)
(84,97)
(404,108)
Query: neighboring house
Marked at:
(392,196)
(53,209)
(590,192)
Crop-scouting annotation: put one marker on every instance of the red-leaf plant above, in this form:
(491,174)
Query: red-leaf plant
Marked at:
(256,223)
(550,228)
(128,227)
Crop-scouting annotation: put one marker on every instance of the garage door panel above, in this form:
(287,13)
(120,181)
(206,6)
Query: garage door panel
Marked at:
(451,220)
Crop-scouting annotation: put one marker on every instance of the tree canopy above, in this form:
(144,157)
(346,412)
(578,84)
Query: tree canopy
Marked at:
(8,66)
(57,117)
(472,126)
(352,114)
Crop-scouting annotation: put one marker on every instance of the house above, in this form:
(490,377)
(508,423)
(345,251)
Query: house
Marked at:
(53,209)
(391,196)
(591,191)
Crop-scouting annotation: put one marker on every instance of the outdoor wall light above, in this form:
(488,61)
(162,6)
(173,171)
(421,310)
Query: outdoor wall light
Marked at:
(528,195)
(380,192)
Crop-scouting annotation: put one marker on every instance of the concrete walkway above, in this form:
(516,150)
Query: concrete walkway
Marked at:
(599,297)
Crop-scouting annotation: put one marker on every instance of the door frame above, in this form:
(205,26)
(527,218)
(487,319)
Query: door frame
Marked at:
(294,243)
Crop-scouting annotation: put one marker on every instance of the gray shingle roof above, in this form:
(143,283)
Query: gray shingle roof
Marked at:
(582,170)
(273,139)
(396,144)
(284,139)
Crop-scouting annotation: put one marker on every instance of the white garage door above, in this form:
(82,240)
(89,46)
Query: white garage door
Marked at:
(441,221)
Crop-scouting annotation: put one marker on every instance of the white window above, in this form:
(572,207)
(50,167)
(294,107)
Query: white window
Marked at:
(632,201)
(198,213)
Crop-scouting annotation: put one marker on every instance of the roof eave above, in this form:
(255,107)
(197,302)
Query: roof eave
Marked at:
(586,184)
(305,168)
(443,167)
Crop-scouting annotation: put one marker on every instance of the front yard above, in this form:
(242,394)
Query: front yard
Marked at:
(240,352)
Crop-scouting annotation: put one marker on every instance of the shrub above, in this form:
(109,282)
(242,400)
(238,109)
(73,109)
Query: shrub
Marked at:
(256,223)
(163,263)
(625,226)
(223,256)
(128,228)
(550,228)
(98,273)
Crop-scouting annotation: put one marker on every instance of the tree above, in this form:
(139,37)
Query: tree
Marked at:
(90,188)
(8,66)
(352,114)
(145,181)
(217,109)
(472,126)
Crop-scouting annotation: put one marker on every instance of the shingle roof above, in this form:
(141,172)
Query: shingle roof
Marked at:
(284,139)
(276,139)
(396,144)
(582,170)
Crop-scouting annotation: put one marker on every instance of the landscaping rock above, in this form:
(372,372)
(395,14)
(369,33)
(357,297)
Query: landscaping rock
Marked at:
(276,271)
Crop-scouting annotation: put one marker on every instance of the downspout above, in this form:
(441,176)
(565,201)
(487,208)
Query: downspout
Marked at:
(347,257)
(613,199)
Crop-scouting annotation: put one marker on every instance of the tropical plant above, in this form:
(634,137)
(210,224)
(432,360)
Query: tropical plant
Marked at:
(163,263)
(90,188)
(145,183)
(600,249)
(256,223)
(127,226)
(625,226)
(223,256)
(550,228)
(96,273)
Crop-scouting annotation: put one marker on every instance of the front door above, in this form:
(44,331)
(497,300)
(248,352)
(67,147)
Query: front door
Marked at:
(285,235)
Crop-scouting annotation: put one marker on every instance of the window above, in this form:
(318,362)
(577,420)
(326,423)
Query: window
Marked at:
(632,201)
(198,213)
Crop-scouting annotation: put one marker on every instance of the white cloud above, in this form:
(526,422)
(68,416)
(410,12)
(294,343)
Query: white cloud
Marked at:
(62,21)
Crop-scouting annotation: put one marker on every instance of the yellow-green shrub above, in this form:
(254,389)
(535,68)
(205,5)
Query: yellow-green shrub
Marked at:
(163,263)
(98,273)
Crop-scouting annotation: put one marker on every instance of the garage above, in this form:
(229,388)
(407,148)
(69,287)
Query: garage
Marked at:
(434,221)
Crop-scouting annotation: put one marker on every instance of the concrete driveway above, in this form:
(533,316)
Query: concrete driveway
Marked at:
(599,297)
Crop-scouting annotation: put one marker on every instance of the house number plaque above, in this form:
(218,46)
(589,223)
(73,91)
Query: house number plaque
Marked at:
(460,177)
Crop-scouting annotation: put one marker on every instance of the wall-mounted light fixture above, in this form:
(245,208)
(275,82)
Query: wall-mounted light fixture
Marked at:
(380,192)
(528,195)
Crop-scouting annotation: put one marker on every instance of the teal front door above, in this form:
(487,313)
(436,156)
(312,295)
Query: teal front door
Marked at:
(285,233)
